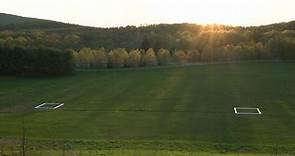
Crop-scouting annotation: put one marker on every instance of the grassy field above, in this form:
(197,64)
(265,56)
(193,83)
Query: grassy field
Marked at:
(182,108)
(136,153)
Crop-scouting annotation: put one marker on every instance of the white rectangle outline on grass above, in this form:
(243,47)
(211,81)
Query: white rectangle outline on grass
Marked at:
(247,108)
(40,106)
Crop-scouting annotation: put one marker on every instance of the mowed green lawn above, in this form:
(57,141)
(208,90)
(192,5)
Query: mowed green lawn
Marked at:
(185,104)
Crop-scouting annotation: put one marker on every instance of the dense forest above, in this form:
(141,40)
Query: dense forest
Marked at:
(154,44)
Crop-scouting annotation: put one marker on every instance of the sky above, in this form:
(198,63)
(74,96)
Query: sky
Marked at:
(114,13)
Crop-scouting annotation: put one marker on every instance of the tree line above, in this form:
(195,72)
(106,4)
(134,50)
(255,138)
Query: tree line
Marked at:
(138,46)
(34,61)
(120,57)
(168,36)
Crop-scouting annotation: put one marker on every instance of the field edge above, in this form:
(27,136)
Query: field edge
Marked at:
(150,145)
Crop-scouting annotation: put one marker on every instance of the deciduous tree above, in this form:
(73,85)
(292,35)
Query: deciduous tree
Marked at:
(180,56)
(164,56)
(150,58)
(100,58)
(134,58)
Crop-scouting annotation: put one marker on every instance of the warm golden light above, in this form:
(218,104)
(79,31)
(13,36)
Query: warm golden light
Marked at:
(109,13)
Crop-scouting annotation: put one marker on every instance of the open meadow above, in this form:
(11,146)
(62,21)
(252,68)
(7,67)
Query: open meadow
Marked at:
(181,108)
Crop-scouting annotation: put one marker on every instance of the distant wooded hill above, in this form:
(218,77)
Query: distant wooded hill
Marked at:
(152,44)
(6,19)
(35,32)
(13,22)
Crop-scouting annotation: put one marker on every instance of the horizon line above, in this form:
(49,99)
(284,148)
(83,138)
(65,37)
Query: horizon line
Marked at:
(149,24)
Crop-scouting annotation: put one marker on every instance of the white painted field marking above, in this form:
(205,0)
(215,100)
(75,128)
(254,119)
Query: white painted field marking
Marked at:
(247,113)
(41,106)
(59,106)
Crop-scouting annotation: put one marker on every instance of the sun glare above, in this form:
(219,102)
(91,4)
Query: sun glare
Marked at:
(230,12)
(110,13)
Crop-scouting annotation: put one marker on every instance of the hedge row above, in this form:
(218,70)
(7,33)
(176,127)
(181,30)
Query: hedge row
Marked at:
(34,61)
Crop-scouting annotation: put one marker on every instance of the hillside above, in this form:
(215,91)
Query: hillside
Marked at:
(13,22)
(7,19)
(208,42)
